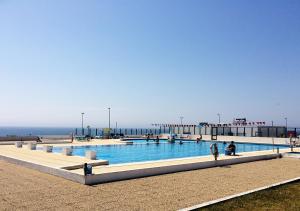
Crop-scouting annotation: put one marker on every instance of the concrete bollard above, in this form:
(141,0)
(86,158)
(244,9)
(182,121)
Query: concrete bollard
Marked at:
(31,146)
(67,151)
(90,155)
(18,144)
(47,148)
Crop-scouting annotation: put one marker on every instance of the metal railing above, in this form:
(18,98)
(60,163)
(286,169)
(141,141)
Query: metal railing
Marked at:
(263,131)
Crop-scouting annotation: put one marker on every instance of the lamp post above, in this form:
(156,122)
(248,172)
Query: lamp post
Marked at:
(273,134)
(181,118)
(219,115)
(286,126)
(116,128)
(82,130)
(109,120)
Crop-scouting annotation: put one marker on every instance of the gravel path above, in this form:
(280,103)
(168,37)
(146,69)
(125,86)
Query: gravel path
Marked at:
(27,189)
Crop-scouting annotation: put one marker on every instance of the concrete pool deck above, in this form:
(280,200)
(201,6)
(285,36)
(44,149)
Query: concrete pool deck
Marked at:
(27,189)
(69,166)
(52,160)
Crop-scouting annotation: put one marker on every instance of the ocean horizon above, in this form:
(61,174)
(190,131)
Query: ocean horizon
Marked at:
(51,131)
(48,131)
(35,131)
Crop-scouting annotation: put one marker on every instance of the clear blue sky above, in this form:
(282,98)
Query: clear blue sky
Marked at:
(150,61)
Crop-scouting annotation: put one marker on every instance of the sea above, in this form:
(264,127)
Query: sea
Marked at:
(35,131)
(60,131)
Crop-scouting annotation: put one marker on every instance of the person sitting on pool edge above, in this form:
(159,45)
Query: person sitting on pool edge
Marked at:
(230,150)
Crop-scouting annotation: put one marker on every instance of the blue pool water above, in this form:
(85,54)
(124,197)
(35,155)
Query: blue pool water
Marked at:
(140,151)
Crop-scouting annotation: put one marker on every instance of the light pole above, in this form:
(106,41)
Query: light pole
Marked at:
(116,128)
(286,126)
(82,130)
(286,119)
(273,134)
(181,118)
(109,120)
(219,115)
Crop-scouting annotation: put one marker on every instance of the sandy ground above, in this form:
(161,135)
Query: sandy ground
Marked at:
(26,189)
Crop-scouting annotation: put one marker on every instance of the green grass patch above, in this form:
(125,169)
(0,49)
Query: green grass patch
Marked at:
(285,197)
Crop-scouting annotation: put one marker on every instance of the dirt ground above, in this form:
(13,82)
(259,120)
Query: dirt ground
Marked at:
(25,189)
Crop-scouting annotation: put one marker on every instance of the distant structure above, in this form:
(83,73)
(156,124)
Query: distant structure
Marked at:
(238,127)
(242,127)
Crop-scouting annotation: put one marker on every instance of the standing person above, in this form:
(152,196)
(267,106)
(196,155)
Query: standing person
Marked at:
(148,138)
(157,139)
(214,150)
(292,143)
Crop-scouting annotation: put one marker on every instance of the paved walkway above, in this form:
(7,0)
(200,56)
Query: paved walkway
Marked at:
(26,189)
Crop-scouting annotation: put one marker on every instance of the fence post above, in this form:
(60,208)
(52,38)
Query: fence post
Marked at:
(237,131)
(244,131)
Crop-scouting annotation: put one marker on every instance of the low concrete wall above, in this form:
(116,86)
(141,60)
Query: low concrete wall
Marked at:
(40,143)
(19,138)
(53,171)
(138,173)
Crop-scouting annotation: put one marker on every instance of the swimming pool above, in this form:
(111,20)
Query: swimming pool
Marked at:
(140,151)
